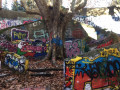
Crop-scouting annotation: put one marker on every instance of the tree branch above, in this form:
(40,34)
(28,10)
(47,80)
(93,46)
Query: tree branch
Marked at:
(33,11)
(81,6)
(77,5)
(42,6)
(56,10)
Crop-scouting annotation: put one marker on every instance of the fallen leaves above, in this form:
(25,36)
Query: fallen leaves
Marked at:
(21,81)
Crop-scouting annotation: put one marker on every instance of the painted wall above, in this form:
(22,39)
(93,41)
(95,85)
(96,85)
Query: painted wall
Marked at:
(31,48)
(83,73)
(22,45)
(17,34)
(38,33)
(5,23)
(90,19)
(74,47)
(16,62)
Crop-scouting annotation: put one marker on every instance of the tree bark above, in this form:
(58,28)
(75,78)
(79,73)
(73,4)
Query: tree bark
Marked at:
(55,51)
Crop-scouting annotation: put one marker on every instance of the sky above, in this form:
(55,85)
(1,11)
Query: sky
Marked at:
(66,3)
(9,3)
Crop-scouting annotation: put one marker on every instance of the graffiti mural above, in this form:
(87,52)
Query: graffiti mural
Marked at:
(41,34)
(82,73)
(28,48)
(105,44)
(5,23)
(74,48)
(35,48)
(16,62)
(57,41)
(85,19)
(91,20)
(17,34)
(8,46)
(9,23)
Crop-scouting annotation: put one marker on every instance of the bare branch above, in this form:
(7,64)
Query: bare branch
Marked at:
(72,5)
(77,5)
(81,5)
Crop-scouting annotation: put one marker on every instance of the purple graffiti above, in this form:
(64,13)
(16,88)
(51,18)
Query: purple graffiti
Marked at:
(74,48)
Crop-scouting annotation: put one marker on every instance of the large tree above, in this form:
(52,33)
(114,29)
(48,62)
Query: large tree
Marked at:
(56,18)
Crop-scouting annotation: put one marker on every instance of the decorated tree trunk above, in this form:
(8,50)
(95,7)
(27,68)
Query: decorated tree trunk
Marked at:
(56,19)
(56,49)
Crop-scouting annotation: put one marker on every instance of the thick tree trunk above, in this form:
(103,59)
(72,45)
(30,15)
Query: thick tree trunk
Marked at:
(56,51)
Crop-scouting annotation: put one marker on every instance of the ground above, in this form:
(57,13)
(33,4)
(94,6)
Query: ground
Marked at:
(16,81)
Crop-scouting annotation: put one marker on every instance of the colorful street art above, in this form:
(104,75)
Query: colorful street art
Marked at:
(74,47)
(5,23)
(41,34)
(18,34)
(82,73)
(8,46)
(90,20)
(16,62)
(57,41)
(28,48)
(35,48)
(9,23)
(105,44)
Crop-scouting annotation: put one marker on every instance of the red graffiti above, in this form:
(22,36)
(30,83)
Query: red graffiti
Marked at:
(102,83)
(26,48)
(68,77)
(24,22)
(8,45)
(80,81)
(105,44)
(29,54)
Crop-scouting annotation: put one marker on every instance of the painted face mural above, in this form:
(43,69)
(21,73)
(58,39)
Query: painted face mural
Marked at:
(97,73)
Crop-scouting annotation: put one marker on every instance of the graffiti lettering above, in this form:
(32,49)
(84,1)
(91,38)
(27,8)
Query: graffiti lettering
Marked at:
(103,69)
(17,62)
(104,45)
(18,34)
(74,48)
(11,47)
(5,23)
(33,48)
